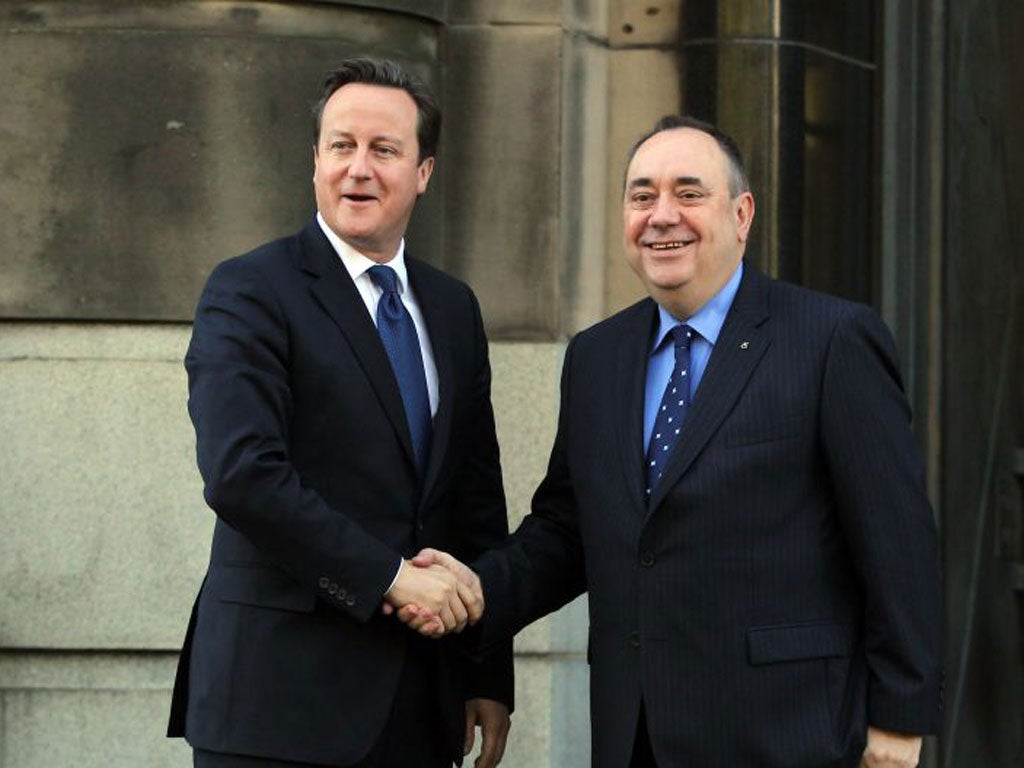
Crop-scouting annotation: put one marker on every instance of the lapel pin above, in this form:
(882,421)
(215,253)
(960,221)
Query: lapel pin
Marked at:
(744,344)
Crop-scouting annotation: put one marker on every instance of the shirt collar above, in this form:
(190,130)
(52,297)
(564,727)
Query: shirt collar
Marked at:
(708,320)
(356,263)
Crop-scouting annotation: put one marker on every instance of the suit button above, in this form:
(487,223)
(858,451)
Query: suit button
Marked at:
(341,593)
(324,582)
(633,639)
(350,601)
(647,559)
(333,589)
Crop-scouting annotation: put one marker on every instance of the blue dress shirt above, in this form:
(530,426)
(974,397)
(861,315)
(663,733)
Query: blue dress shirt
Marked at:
(707,322)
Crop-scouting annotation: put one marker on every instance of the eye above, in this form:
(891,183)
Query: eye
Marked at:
(641,198)
(690,195)
(385,151)
(340,145)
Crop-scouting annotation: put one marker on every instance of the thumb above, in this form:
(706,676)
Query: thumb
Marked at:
(427,557)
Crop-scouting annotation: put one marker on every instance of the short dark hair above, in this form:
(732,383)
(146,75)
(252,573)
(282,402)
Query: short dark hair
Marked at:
(738,181)
(363,69)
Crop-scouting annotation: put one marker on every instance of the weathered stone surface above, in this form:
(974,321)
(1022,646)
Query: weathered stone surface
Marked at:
(524,389)
(504,11)
(643,22)
(87,711)
(589,17)
(431,9)
(105,530)
(142,143)
(644,85)
(587,169)
(502,194)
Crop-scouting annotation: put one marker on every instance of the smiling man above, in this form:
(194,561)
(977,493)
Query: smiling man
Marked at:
(340,392)
(735,484)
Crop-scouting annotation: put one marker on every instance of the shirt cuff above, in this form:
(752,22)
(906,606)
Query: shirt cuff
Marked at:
(401,562)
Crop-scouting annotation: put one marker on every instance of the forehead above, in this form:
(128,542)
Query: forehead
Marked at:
(356,104)
(679,152)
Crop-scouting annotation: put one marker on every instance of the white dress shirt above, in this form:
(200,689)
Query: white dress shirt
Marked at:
(357,265)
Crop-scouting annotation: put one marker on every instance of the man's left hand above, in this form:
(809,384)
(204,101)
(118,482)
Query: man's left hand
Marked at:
(886,749)
(493,719)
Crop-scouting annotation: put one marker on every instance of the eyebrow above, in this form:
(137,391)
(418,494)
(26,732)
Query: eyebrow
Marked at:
(382,137)
(644,181)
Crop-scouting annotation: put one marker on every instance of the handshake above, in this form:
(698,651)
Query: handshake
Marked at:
(435,594)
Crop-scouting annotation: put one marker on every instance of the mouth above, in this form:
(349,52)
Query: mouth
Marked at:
(358,198)
(670,245)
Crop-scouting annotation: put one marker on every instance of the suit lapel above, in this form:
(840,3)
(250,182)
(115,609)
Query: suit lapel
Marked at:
(741,344)
(436,318)
(630,361)
(337,294)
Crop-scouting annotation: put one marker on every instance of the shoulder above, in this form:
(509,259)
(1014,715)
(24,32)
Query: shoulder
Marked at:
(834,326)
(430,276)
(429,281)
(258,280)
(812,309)
(267,259)
(631,321)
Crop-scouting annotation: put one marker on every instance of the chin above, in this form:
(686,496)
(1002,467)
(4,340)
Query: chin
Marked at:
(667,282)
(356,233)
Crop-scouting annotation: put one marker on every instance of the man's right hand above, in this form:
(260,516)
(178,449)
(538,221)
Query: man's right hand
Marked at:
(438,597)
(425,621)
(470,588)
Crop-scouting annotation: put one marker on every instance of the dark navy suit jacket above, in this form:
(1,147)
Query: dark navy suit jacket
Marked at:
(780,591)
(306,456)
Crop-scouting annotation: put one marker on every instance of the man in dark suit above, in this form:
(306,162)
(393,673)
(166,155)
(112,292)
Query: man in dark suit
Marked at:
(340,392)
(735,484)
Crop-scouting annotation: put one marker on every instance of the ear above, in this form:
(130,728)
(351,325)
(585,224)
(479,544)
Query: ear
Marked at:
(744,213)
(423,175)
(316,158)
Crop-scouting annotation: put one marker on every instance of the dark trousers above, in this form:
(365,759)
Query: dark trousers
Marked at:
(643,755)
(413,735)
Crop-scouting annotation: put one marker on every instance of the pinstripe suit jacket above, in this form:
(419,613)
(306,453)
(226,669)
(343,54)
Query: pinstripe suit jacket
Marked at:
(780,591)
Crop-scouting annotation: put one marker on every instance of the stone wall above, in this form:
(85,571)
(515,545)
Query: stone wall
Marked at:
(140,144)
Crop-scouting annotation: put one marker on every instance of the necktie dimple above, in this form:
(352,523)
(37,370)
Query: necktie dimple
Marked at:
(398,334)
(672,411)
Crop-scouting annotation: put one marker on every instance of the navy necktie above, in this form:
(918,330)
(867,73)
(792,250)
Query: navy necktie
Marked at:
(398,334)
(668,424)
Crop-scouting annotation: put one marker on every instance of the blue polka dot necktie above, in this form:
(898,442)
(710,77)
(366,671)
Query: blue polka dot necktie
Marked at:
(398,334)
(668,423)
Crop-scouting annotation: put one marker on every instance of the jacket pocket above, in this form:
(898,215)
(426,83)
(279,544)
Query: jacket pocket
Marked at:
(261,587)
(822,640)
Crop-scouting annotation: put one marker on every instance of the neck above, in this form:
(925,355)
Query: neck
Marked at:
(684,301)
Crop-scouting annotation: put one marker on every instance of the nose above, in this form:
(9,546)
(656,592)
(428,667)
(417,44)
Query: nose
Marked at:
(665,213)
(359,165)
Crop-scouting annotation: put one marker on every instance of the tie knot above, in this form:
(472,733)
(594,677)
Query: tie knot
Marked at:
(384,278)
(682,335)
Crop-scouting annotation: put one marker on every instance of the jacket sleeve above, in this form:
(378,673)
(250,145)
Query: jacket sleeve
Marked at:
(240,402)
(878,481)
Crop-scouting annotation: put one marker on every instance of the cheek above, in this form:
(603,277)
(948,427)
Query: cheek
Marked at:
(326,173)
(633,227)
